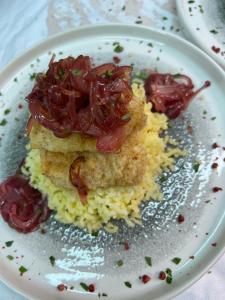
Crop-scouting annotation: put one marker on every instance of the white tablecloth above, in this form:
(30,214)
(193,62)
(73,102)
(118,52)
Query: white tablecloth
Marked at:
(26,22)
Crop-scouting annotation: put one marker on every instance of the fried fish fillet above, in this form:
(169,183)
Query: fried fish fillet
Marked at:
(43,138)
(97,169)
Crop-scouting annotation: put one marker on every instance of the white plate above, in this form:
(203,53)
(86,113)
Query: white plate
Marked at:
(83,258)
(204,24)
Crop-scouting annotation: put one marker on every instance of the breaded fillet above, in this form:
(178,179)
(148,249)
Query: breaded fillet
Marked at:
(97,169)
(43,138)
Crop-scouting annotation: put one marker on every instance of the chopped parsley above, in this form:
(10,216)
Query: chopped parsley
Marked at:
(33,76)
(138,22)
(214,31)
(118,48)
(108,74)
(94,233)
(213,118)
(123,8)
(22,270)
(141,75)
(177,75)
(10,257)
(84,286)
(76,72)
(9,243)
(162,178)
(169,279)
(60,53)
(119,263)
(150,45)
(191,1)
(164,18)
(52,260)
(176,260)
(15,79)
(128,284)
(148,260)
(7,111)
(196,167)
(201,9)
(104,295)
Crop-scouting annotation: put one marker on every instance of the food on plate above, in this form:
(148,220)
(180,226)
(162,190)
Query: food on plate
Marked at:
(96,145)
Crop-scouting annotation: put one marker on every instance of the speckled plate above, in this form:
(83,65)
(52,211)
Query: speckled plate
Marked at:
(204,24)
(81,257)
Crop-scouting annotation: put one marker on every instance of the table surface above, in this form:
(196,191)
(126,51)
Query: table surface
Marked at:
(24,23)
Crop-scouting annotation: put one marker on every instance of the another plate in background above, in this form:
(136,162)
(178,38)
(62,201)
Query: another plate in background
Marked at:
(204,24)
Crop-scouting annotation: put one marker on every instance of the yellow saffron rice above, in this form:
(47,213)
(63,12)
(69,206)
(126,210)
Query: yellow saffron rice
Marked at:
(106,204)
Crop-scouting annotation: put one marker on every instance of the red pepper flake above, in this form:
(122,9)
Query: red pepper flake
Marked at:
(145,279)
(126,246)
(116,59)
(91,288)
(214,244)
(215,145)
(189,129)
(61,287)
(20,106)
(180,219)
(216,189)
(191,257)
(215,49)
(214,166)
(162,275)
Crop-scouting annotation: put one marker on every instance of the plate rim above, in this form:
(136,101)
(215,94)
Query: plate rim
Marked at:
(184,20)
(48,40)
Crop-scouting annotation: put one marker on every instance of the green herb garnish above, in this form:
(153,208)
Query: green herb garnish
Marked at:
(191,1)
(177,75)
(94,233)
(176,260)
(15,79)
(141,75)
(3,122)
(169,279)
(162,178)
(108,73)
(150,45)
(10,257)
(138,22)
(128,284)
(52,260)
(169,271)
(22,270)
(84,286)
(118,48)
(119,263)
(33,76)
(7,111)
(214,31)
(165,18)
(104,295)
(76,72)
(213,118)
(9,243)
(196,167)
(124,7)
(148,260)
